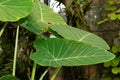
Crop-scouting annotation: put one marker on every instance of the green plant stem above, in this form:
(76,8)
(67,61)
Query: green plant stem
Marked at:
(100,22)
(41,78)
(3,29)
(33,71)
(55,74)
(15,51)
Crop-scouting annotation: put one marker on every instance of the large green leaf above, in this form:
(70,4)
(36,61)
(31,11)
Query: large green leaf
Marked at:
(61,52)
(43,13)
(72,33)
(41,17)
(13,10)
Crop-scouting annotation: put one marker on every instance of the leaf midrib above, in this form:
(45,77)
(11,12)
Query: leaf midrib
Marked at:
(41,14)
(55,59)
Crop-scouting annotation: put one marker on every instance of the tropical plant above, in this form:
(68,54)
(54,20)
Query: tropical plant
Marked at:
(70,47)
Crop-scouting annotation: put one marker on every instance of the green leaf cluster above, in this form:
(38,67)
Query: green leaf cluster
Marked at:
(114,64)
(115,49)
(110,8)
(113,11)
(115,15)
(112,69)
(115,70)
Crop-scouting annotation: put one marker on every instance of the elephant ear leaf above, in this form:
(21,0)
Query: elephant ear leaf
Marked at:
(13,10)
(62,52)
(76,34)
(42,16)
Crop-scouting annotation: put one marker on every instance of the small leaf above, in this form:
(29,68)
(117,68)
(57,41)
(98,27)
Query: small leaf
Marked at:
(115,70)
(112,16)
(115,62)
(118,16)
(9,77)
(110,1)
(108,8)
(107,64)
(119,69)
(115,49)
(62,52)
(118,11)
